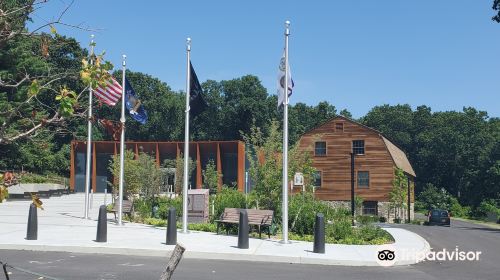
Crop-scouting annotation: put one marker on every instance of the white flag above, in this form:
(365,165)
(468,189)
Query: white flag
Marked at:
(281,81)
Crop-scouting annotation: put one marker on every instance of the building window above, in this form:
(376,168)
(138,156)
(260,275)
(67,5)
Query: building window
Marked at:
(339,127)
(370,208)
(358,147)
(317,179)
(320,149)
(363,179)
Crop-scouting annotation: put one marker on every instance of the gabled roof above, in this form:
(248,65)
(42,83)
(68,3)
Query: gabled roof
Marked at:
(398,156)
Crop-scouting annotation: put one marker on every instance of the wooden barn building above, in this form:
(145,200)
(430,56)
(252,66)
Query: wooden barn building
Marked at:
(375,160)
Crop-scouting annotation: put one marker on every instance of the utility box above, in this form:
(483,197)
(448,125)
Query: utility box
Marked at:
(198,202)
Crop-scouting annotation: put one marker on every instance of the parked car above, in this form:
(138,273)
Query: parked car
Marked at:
(438,217)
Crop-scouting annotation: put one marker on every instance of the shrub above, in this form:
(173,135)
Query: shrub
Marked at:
(458,210)
(155,222)
(34,179)
(302,213)
(382,219)
(487,205)
(4,193)
(365,219)
(164,203)
(227,198)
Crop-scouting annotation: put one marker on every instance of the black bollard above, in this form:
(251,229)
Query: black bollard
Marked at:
(171,227)
(32,233)
(102,225)
(319,234)
(243,230)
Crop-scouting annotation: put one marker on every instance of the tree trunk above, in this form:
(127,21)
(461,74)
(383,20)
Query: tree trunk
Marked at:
(173,262)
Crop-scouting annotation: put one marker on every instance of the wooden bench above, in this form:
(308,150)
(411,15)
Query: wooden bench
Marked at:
(259,218)
(126,209)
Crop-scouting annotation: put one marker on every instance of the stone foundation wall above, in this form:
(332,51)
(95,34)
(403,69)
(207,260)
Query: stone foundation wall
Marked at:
(384,209)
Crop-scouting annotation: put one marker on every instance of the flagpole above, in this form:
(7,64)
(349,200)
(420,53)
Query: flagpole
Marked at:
(285,141)
(186,142)
(89,138)
(122,144)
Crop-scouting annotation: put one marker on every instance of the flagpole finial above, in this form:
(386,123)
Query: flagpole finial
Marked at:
(287,27)
(188,43)
(92,36)
(124,59)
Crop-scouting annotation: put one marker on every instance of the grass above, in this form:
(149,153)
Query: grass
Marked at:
(478,222)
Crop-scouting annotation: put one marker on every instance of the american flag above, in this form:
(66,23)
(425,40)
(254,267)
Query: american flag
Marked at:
(111,93)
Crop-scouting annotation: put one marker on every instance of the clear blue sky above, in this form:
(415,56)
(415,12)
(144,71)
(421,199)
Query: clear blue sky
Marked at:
(353,54)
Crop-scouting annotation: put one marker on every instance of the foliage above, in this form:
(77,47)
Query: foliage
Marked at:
(458,151)
(302,212)
(227,198)
(358,204)
(4,193)
(367,219)
(487,206)
(344,234)
(496,7)
(178,164)
(264,155)
(141,175)
(211,177)
(399,192)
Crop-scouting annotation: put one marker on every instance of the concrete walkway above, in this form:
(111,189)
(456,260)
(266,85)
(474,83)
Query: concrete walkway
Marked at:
(62,228)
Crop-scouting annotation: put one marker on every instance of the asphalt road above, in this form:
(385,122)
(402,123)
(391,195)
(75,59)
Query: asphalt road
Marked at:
(466,236)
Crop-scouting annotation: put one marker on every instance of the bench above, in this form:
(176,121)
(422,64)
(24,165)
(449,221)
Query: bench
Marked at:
(259,218)
(126,209)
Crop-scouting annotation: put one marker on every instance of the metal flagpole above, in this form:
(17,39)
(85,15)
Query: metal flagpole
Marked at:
(186,142)
(285,141)
(89,139)
(122,144)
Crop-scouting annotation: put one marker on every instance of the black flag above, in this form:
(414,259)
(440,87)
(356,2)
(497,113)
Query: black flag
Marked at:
(196,102)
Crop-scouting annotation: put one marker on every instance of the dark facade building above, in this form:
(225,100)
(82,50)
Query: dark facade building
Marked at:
(229,157)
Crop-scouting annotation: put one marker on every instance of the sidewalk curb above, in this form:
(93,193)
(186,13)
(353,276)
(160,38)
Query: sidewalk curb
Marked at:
(167,250)
(187,254)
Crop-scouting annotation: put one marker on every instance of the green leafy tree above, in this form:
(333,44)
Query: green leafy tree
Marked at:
(265,157)
(496,7)
(211,177)
(399,192)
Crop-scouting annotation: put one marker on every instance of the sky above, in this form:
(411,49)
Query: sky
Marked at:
(353,54)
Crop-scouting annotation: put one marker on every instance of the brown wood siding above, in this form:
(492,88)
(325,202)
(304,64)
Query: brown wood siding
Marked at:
(336,165)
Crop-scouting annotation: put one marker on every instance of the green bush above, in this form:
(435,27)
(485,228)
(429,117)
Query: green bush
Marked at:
(164,203)
(487,205)
(302,213)
(155,222)
(458,210)
(208,227)
(4,193)
(366,219)
(227,198)
(31,178)
(340,229)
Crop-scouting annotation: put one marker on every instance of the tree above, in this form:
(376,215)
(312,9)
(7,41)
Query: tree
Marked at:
(398,193)
(266,169)
(39,79)
(496,7)
(211,177)
(178,164)
(141,175)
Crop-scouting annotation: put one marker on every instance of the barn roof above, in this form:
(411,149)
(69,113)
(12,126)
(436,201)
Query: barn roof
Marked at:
(398,156)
